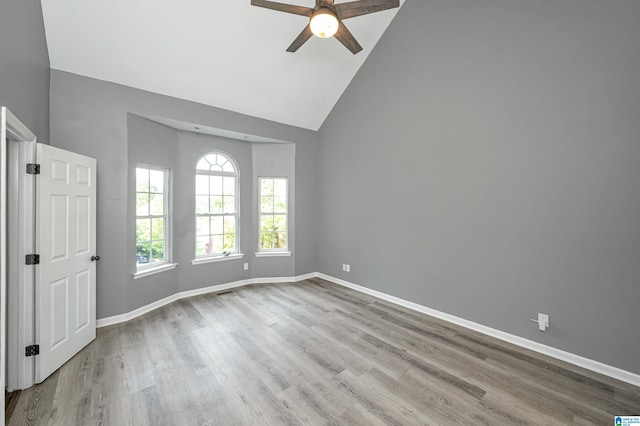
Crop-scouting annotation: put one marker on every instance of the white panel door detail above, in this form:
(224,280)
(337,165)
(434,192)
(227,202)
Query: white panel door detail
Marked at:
(66,242)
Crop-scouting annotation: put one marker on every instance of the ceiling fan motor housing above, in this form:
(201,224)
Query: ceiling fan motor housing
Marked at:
(324,22)
(329,18)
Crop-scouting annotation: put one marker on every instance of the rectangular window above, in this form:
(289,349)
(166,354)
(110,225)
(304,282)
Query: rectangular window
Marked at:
(273,214)
(152,217)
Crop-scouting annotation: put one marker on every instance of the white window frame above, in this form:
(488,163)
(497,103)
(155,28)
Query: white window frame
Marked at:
(151,268)
(273,252)
(215,257)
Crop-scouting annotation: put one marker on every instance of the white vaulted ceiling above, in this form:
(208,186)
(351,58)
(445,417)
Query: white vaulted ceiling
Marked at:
(224,53)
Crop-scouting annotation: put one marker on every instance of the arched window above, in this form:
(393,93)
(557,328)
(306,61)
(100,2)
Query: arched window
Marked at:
(217,216)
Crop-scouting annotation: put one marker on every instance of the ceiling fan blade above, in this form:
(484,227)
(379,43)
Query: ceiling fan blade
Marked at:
(345,37)
(363,7)
(301,39)
(281,7)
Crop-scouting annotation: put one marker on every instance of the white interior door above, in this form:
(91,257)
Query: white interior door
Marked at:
(66,242)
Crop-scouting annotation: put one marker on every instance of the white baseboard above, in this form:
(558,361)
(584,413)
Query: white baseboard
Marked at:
(117,319)
(589,364)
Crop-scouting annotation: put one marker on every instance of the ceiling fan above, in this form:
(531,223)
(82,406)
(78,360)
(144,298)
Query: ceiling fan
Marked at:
(325,20)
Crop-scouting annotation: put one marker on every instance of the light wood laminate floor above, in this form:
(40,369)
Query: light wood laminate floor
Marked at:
(312,353)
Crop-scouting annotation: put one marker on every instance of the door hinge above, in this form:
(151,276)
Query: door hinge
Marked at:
(32,350)
(33,169)
(32,259)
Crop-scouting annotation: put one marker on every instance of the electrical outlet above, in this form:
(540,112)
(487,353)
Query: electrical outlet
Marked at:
(543,322)
(348,268)
(246,266)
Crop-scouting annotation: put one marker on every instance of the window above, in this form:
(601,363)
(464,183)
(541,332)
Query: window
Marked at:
(152,217)
(273,214)
(216,206)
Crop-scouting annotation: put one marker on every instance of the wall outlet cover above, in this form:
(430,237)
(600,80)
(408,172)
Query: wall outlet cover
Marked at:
(543,322)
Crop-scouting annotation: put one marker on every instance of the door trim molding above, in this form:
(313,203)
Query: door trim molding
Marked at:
(21,295)
(11,128)
(15,128)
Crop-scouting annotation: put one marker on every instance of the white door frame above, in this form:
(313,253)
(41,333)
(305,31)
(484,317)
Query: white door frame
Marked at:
(11,129)
(22,278)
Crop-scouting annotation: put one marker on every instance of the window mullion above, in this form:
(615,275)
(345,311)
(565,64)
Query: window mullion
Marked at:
(218,161)
(155,248)
(276,239)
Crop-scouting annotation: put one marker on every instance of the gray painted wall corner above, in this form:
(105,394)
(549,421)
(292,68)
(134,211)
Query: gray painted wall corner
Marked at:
(24,65)
(488,169)
(99,119)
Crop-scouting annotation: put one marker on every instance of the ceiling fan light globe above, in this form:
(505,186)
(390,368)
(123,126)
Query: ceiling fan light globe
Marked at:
(324,24)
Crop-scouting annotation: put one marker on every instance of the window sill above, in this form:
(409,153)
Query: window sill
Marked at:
(273,254)
(154,270)
(202,260)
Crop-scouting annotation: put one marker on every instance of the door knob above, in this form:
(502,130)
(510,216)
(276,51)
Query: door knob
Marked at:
(95,258)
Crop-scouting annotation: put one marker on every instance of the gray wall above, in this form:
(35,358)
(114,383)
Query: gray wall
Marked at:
(154,144)
(275,160)
(91,117)
(485,162)
(157,145)
(192,147)
(24,65)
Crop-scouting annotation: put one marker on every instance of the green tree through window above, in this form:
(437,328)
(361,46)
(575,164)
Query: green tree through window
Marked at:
(273,214)
(216,205)
(151,216)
